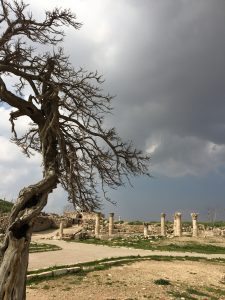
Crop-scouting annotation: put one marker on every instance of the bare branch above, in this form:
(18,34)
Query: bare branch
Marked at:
(67,108)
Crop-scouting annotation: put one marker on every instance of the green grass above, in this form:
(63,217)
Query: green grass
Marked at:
(192,247)
(5,206)
(216,290)
(141,243)
(37,247)
(196,292)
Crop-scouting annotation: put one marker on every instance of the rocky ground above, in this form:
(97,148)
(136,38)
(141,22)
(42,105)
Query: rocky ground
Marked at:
(186,280)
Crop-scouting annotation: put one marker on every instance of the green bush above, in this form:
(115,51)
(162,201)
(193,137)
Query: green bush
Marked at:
(162,281)
(135,222)
(119,222)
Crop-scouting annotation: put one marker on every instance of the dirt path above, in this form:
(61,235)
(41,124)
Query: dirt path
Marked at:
(73,253)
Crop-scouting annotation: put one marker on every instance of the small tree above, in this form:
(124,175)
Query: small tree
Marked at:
(66,108)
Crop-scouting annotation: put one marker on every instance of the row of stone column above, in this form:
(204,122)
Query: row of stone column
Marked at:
(97,224)
(177,224)
(177,227)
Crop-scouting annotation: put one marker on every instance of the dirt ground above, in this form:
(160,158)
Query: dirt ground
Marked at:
(188,280)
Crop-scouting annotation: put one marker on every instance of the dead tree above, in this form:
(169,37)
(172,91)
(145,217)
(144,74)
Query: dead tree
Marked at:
(66,108)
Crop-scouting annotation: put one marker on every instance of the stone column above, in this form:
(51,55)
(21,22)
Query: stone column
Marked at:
(97,224)
(175,225)
(163,226)
(111,223)
(178,224)
(194,224)
(61,230)
(145,229)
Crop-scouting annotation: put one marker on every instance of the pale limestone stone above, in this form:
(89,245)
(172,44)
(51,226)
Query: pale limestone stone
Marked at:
(178,225)
(97,224)
(194,217)
(59,272)
(111,223)
(145,229)
(163,225)
(45,274)
(175,225)
(61,230)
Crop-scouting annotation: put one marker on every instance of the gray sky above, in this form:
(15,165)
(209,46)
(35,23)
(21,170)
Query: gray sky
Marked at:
(165,62)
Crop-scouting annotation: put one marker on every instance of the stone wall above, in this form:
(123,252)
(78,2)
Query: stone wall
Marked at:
(51,221)
(43,222)
(81,217)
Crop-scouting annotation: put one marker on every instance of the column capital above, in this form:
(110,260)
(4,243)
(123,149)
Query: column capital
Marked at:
(163,215)
(177,214)
(194,216)
(111,214)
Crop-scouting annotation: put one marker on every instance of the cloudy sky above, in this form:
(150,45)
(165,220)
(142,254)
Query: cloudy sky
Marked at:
(165,62)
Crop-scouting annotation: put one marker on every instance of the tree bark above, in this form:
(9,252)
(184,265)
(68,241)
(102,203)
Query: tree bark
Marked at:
(14,268)
(15,249)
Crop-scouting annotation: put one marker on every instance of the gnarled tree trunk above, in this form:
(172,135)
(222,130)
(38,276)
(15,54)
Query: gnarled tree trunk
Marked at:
(15,250)
(14,268)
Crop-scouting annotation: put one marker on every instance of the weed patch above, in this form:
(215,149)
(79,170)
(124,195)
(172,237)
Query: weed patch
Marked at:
(162,281)
(37,247)
(196,292)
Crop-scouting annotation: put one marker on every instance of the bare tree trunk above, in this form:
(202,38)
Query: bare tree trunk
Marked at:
(14,269)
(15,250)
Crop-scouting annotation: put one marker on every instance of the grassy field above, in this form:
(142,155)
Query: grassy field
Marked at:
(157,244)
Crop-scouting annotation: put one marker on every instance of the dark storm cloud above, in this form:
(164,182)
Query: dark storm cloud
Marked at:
(165,61)
(170,79)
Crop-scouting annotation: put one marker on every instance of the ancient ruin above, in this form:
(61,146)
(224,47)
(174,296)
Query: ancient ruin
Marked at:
(97,225)
(163,226)
(111,224)
(177,224)
(194,224)
(94,224)
(145,229)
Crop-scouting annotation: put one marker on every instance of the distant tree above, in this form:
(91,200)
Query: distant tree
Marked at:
(66,108)
(5,206)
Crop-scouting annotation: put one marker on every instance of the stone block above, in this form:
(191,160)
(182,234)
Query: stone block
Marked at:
(59,272)
(73,269)
(44,274)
